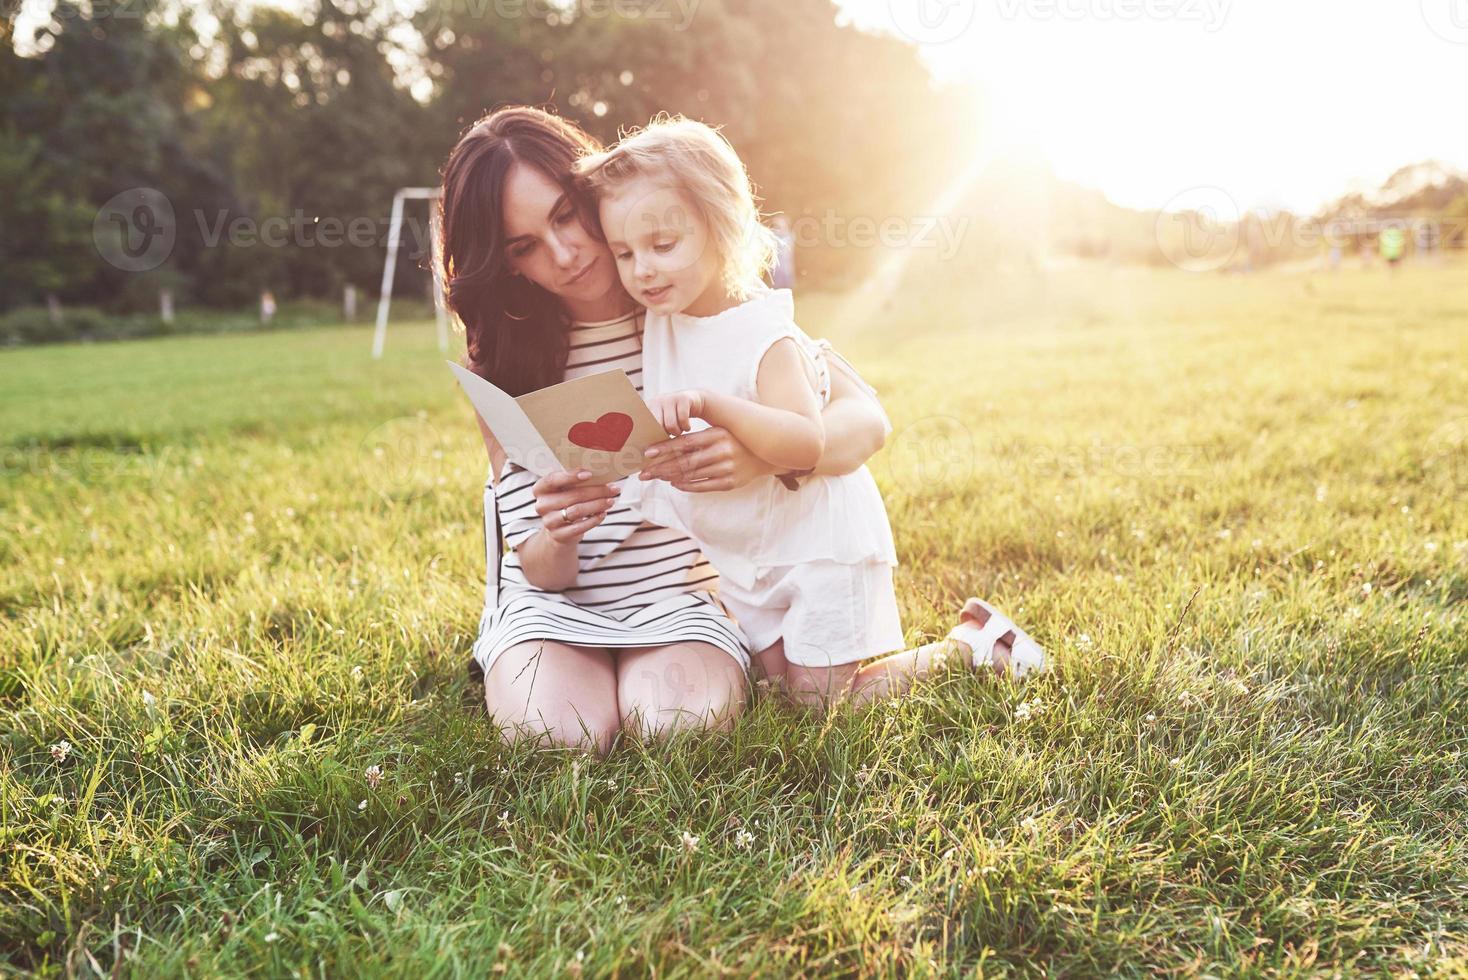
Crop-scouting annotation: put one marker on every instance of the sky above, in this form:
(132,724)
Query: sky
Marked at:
(1278,103)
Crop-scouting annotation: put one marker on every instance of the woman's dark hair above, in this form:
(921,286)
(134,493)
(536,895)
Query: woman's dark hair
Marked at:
(516,332)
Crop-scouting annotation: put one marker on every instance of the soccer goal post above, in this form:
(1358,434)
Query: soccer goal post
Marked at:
(390,264)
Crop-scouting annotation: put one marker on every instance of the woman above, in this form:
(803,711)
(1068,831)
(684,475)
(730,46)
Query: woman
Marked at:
(597,620)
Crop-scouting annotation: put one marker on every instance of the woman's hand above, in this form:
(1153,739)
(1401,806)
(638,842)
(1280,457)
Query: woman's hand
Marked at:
(704,461)
(568,507)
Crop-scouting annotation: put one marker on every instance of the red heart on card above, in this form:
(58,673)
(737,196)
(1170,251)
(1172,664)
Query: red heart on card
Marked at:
(609,432)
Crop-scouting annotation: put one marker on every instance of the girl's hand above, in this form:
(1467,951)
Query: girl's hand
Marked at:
(568,507)
(674,409)
(705,461)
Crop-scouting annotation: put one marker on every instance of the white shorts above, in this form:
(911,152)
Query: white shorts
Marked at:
(826,612)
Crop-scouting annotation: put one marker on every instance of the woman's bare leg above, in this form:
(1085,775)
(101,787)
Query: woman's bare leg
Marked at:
(679,686)
(541,687)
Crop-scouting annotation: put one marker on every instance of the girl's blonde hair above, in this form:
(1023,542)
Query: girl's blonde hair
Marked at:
(699,161)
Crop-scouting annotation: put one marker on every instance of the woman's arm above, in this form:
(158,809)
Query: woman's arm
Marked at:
(549,556)
(713,459)
(856,426)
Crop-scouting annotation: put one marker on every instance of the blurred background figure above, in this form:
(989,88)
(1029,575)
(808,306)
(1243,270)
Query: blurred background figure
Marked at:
(782,276)
(1393,245)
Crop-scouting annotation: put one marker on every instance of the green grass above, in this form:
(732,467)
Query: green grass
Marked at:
(237,571)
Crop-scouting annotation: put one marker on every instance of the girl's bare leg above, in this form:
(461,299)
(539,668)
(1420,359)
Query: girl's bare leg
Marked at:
(889,676)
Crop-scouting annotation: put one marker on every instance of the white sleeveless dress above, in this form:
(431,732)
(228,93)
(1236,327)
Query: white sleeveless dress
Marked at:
(812,567)
(638,585)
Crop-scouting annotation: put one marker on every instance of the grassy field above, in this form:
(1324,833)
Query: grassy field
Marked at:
(239,571)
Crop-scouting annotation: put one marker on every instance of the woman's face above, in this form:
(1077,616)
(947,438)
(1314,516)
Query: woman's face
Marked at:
(546,243)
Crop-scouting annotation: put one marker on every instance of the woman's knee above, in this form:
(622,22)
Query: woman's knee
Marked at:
(678,687)
(562,730)
(556,694)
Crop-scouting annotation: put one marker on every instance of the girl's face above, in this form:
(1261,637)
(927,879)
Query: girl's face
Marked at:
(663,249)
(546,243)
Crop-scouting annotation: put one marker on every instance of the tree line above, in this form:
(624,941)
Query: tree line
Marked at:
(277,135)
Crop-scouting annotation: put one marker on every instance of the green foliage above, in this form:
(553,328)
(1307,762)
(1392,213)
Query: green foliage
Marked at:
(302,114)
(1230,506)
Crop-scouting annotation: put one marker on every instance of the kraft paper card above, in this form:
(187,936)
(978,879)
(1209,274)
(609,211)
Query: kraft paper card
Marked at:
(597,423)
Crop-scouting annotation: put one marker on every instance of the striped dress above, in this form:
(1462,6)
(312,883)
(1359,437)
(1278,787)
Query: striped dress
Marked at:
(638,585)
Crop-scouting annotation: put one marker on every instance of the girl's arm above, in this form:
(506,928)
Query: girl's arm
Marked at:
(713,460)
(856,426)
(783,428)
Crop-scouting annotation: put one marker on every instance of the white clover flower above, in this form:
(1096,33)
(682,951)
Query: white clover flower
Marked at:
(1175,761)
(271,937)
(1084,641)
(690,843)
(505,817)
(61,750)
(361,806)
(1151,718)
(743,839)
(1022,711)
(1030,824)
(374,776)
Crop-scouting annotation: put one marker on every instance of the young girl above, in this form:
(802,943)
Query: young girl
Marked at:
(810,565)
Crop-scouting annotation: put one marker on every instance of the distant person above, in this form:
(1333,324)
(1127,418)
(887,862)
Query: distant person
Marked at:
(1393,243)
(782,275)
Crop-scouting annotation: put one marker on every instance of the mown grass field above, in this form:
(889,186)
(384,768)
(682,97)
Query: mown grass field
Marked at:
(238,571)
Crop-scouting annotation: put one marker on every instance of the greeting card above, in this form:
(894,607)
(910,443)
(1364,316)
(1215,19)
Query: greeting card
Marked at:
(597,423)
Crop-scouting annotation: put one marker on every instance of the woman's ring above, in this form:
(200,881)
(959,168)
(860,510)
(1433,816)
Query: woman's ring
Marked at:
(565,517)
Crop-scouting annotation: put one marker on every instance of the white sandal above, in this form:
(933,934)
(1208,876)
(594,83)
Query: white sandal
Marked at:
(1025,655)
